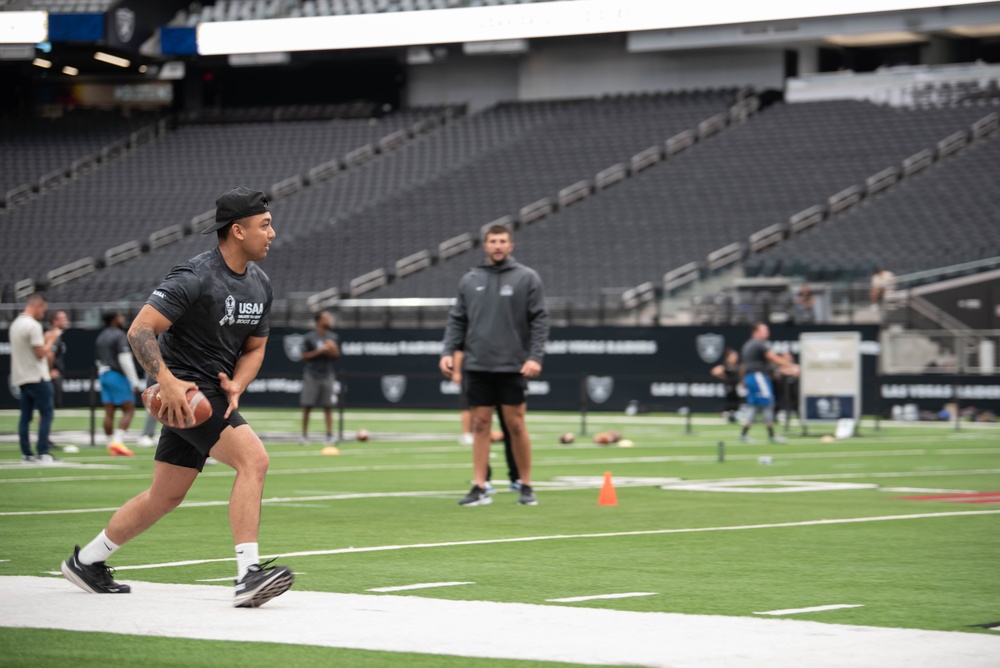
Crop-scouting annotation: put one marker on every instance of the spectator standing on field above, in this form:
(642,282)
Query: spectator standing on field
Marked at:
(30,356)
(58,322)
(729,373)
(119,381)
(756,359)
(500,322)
(320,349)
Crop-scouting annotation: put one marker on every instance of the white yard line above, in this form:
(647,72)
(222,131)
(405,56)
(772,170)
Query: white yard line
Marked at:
(425,585)
(816,608)
(539,463)
(548,487)
(578,599)
(578,635)
(617,534)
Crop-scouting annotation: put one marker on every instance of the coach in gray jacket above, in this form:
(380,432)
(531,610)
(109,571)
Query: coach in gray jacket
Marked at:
(500,322)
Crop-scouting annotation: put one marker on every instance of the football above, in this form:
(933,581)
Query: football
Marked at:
(362,435)
(496,435)
(603,438)
(200,406)
(567,438)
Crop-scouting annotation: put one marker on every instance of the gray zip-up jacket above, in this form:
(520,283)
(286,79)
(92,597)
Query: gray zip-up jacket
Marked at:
(499,319)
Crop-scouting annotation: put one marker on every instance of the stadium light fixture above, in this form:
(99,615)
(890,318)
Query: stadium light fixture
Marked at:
(977,32)
(41,62)
(112,60)
(69,70)
(886,38)
(511,22)
(24,27)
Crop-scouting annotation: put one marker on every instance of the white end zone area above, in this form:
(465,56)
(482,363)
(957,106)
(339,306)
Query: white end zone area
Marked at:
(485,629)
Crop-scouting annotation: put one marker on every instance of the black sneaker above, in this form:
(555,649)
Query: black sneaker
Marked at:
(95,578)
(477,496)
(261,583)
(527,497)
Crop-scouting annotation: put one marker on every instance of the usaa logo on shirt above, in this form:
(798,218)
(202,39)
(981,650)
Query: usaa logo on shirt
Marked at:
(242,313)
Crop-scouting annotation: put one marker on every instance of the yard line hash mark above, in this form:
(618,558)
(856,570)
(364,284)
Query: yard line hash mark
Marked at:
(425,585)
(816,608)
(577,599)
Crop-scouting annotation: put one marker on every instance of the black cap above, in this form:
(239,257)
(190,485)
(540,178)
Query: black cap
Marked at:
(237,203)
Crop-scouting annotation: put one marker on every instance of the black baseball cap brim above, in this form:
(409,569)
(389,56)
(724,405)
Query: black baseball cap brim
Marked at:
(235,204)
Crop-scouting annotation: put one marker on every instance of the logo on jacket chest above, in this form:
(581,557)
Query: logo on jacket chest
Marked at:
(506,290)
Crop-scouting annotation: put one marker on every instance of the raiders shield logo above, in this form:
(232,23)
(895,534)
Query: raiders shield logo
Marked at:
(710,347)
(599,388)
(294,345)
(393,388)
(125,23)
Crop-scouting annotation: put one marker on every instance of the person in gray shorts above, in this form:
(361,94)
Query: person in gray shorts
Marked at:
(320,348)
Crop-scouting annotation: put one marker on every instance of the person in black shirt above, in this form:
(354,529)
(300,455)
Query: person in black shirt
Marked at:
(320,348)
(729,373)
(210,315)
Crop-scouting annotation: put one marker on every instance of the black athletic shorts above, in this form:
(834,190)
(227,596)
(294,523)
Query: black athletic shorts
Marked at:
(485,388)
(189,447)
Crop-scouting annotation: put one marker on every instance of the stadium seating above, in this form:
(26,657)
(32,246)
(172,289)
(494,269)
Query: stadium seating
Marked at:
(390,212)
(243,10)
(784,160)
(168,182)
(945,215)
(444,184)
(34,149)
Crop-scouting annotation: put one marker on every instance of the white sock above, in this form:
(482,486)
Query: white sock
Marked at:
(246,556)
(119,435)
(98,549)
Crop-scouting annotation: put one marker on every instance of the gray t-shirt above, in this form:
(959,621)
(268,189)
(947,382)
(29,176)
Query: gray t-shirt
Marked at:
(110,343)
(214,311)
(322,366)
(753,356)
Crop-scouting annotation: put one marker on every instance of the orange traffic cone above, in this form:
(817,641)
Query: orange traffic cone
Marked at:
(608,495)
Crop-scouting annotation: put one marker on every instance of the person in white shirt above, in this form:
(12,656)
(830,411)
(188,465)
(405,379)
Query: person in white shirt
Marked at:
(30,356)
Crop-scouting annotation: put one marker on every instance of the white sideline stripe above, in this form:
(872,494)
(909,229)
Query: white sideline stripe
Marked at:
(227,473)
(577,599)
(425,585)
(346,496)
(429,626)
(816,608)
(530,539)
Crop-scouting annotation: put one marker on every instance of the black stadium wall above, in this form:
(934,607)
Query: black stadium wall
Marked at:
(603,369)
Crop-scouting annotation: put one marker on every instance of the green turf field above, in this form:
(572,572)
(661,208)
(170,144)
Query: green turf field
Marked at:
(824,524)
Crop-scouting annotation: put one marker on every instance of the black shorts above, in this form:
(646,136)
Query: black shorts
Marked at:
(190,447)
(485,388)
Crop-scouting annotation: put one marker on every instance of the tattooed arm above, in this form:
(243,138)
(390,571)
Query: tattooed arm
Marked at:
(142,337)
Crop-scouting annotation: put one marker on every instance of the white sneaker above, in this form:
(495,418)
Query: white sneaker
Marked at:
(145,441)
(465,439)
(303,440)
(211,462)
(46,459)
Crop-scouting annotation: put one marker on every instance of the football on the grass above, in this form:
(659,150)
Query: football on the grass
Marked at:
(200,406)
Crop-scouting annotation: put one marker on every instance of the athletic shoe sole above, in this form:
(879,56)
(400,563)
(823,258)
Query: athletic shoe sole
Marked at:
(278,582)
(533,502)
(75,578)
(484,500)
(71,575)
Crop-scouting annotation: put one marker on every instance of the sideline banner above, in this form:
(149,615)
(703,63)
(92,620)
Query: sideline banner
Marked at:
(606,368)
